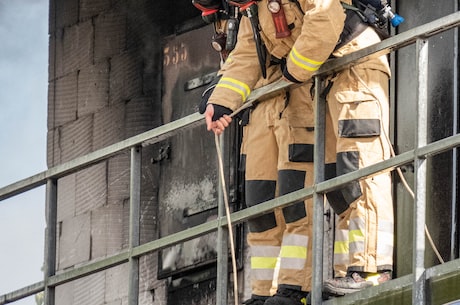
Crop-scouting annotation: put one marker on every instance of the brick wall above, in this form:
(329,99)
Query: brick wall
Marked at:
(104,87)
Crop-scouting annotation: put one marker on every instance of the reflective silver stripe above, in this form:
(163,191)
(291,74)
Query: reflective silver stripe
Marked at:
(385,239)
(295,240)
(356,235)
(341,235)
(385,250)
(263,262)
(386,226)
(293,251)
(303,62)
(265,251)
(356,247)
(356,224)
(292,263)
(236,86)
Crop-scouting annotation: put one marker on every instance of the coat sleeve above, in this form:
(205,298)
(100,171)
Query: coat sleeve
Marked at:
(322,25)
(240,71)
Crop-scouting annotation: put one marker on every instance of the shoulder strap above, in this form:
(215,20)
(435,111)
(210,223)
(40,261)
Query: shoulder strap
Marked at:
(298,5)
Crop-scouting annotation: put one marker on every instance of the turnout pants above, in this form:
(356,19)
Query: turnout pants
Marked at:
(277,157)
(359,108)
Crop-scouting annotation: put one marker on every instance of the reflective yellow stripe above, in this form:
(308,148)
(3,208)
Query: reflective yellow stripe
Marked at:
(341,247)
(304,62)
(235,85)
(263,262)
(355,236)
(293,251)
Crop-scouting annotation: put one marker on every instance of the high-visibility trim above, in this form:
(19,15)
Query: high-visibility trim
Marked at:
(236,86)
(356,247)
(341,235)
(295,239)
(293,252)
(259,262)
(341,247)
(292,263)
(304,62)
(386,226)
(356,224)
(385,250)
(355,236)
(385,237)
(265,251)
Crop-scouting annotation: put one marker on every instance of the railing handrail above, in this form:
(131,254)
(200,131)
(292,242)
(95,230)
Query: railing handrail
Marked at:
(193,120)
(162,132)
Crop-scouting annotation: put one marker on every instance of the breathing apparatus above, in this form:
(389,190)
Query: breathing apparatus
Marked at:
(214,11)
(377,13)
(249,8)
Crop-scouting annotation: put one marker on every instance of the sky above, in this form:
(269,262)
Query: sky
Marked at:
(23,129)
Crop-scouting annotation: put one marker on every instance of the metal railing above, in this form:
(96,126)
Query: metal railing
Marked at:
(415,283)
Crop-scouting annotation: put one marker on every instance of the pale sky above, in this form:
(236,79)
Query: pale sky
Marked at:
(23,115)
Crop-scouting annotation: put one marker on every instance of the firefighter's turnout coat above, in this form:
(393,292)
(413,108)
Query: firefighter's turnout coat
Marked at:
(277,148)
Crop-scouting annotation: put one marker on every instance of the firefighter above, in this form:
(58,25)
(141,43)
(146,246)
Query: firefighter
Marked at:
(260,171)
(296,37)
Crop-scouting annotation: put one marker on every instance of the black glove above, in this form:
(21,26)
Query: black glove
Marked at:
(219,112)
(207,93)
(286,73)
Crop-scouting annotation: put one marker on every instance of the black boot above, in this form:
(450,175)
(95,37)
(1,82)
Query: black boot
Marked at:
(289,295)
(256,300)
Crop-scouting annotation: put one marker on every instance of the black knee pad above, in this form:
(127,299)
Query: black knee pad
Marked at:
(290,181)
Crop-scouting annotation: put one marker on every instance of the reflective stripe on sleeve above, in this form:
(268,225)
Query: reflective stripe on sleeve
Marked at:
(236,86)
(304,62)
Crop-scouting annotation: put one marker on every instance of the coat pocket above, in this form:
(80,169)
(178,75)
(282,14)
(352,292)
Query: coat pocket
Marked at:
(359,114)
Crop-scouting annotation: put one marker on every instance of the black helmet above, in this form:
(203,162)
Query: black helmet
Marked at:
(209,9)
(207,4)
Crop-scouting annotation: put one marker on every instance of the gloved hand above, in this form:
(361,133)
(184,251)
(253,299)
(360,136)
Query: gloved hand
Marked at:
(220,111)
(286,73)
(215,121)
(207,94)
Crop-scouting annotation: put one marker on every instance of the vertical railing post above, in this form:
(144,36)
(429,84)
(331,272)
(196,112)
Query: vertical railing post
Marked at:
(454,233)
(318,199)
(50,239)
(134,219)
(419,286)
(222,245)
